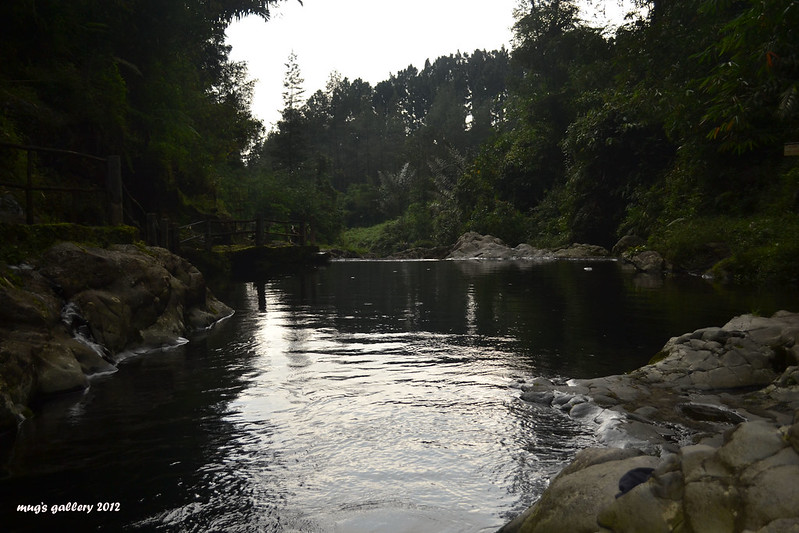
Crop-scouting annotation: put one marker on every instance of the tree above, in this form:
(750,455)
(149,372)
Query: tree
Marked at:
(293,81)
(146,79)
(752,88)
(288,142)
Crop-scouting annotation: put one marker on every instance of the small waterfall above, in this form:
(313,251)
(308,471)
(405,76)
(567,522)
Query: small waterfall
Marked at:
(79,327)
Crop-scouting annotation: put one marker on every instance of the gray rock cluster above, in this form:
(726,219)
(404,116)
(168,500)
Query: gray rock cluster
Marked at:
(580,251)
(716,414)
(472,245)
(748,482)
(70,316)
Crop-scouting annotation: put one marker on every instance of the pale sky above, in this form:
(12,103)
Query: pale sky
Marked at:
(367,39)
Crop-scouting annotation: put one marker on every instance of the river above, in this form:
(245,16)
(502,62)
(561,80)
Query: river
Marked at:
(365,396)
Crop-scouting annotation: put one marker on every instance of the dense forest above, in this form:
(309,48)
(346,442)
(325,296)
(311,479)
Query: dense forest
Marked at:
(671,127)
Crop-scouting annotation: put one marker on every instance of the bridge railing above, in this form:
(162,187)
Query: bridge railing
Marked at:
(205,233)
(112,189)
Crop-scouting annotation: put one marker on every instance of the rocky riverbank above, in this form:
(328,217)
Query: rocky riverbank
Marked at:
(704,438)
(472,245)
(77,310)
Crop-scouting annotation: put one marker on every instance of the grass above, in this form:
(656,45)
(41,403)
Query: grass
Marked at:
(365,240)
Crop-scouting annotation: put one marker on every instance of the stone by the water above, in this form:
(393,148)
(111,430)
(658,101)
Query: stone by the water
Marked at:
(715,417)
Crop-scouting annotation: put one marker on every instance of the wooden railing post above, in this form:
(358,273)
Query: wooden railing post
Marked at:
(174,238)
(29,190)
(151,229)
(163,233)
(113,186)
(259,230)
(209,240)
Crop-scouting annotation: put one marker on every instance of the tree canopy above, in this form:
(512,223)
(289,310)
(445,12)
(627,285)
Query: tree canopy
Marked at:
(675,119)
(148,80)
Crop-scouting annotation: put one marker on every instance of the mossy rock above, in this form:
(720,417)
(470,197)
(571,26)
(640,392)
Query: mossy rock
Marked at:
(658,357)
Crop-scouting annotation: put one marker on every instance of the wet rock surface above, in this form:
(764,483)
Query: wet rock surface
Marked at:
(71,314)
(716,414)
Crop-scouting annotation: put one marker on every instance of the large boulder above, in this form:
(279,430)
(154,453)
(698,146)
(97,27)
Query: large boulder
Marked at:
(746,484)
(575,497)
(627,242)
(472,245)
(649,261)
(68,317)
(131,295)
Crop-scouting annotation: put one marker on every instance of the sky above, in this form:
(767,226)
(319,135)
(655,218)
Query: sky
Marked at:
(367,39)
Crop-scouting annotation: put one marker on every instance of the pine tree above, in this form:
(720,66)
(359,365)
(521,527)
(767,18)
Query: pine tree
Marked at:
(293,90)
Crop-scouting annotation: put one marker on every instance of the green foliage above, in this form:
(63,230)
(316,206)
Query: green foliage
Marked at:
(149,81)
(379,146)
(754,67)
(767,264)
(759,249)
(500,219)
(615,152)
(365,239)
(23,242)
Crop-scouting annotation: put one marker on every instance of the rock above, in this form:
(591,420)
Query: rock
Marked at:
(57,369)
(649,262)
(782,525)
(730,458)
(90,360)
(543,397)
(627,242)
(10,210)
(696,490)
(641,509)
(574,498)
(130,296)
(435,252)
(472,245)
(580,251)
(711,506)
(119,298)
(17,378)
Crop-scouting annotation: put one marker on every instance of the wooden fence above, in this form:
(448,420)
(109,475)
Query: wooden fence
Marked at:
(112,189)
(160,231)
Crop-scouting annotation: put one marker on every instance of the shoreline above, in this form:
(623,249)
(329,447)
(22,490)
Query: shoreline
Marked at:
(715,415)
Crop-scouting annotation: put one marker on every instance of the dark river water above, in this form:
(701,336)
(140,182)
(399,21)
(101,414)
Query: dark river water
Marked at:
(360,397)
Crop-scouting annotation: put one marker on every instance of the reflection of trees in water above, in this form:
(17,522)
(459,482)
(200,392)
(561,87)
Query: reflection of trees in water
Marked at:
(561,317)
